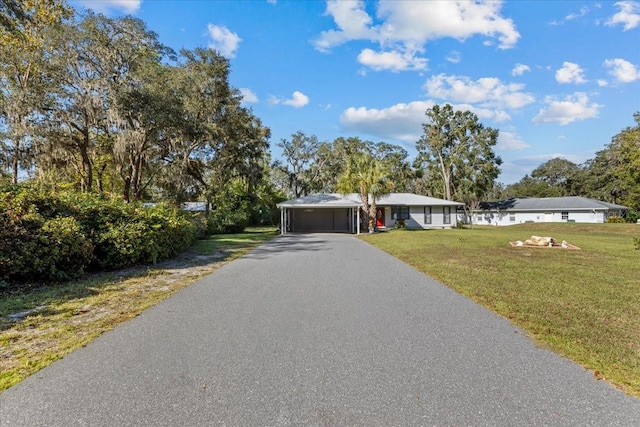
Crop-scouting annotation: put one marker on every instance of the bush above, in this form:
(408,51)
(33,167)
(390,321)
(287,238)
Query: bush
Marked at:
(56,237)
(222,221)
(615,220)
(143,235)
(35,248)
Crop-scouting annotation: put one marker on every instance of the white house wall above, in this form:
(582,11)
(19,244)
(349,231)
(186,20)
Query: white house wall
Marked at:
(417,217)
(512,218)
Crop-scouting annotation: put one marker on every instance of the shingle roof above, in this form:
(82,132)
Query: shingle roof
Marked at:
(320,201)
(333,200)
(410,199)
(549,203)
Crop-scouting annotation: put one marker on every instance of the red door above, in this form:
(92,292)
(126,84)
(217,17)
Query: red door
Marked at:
(379,217)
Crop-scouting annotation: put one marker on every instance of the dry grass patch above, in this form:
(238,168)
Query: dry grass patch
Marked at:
(39,326)
(583,304)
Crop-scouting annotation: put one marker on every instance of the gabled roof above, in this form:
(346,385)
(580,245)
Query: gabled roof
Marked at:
(333,200)
(574,203)
(410,199)
(320,201)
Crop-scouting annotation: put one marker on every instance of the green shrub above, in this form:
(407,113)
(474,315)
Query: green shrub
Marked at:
(223,221)
(199,222)
(144,235)
(35,248)
(57,236)
(615,219)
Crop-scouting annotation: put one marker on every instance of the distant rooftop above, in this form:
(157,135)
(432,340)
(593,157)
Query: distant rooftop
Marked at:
(549,203)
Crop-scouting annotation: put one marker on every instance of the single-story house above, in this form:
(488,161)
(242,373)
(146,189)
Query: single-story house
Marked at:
(343,213)
(520,210)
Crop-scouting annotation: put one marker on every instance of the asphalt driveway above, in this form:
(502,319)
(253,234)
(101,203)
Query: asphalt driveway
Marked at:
(321,330)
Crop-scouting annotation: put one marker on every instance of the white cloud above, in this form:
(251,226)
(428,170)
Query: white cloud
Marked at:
(520,69)
(353,23)
(570,17)
(583,11)
(486,91)
(248,96)
(392,61)
(405,27)
(573,107)
(106,6)
(623,71)
(603,83)
(402,122)
(223,40)
(510,141)
(418,22)
(298,100)
(454,56)
(628,16)
(570,73)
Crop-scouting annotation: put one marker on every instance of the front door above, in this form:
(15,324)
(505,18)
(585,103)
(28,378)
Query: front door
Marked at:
(379,217)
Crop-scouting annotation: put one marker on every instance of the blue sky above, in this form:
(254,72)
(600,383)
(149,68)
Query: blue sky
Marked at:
(557,78)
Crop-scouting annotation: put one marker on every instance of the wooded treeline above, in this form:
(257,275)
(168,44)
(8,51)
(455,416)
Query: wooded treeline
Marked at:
(98,104)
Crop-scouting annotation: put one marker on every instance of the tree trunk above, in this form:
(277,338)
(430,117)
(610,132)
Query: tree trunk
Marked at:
(15,161)
(372,216)
(87,169)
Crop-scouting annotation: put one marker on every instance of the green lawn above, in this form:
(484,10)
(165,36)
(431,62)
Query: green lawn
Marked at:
(583,304)
(53,320)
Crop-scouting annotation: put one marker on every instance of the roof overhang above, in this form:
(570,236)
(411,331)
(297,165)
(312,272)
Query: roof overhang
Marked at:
(319,201)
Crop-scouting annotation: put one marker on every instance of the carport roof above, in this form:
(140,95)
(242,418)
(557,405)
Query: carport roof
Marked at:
(320,201)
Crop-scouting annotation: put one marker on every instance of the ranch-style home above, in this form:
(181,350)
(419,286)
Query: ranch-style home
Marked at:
(548,209)
(342,213)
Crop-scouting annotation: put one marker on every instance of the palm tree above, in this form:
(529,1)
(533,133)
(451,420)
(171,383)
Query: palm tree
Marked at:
(367,176)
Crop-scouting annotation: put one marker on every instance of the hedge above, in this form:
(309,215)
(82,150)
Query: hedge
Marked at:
(59,236)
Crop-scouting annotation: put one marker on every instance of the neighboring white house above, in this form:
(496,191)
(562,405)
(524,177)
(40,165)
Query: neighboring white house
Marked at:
(547,209)
(342,213)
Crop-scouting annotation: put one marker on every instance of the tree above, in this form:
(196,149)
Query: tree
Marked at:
(394,159)
(368,177)
(24,73)
(614,174)
(557,177)
(458,150)
(13,15)
(561,174)
(218,140)
(298,154)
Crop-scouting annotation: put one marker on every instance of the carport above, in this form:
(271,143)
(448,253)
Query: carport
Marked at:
(330,213)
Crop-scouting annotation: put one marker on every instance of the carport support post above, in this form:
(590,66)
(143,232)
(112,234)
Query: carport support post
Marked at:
(282,221)
(358,221)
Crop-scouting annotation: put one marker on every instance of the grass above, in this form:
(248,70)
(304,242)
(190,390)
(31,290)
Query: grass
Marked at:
(41,325)
(583,304)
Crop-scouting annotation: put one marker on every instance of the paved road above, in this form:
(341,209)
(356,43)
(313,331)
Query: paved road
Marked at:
(319,330)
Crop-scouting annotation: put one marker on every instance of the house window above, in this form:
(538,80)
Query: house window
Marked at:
(447,215)
(427,214)
(400,212)
(565,216)
(512,217)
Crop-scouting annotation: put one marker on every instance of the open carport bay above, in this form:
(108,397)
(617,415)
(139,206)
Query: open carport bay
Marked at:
(321,219)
